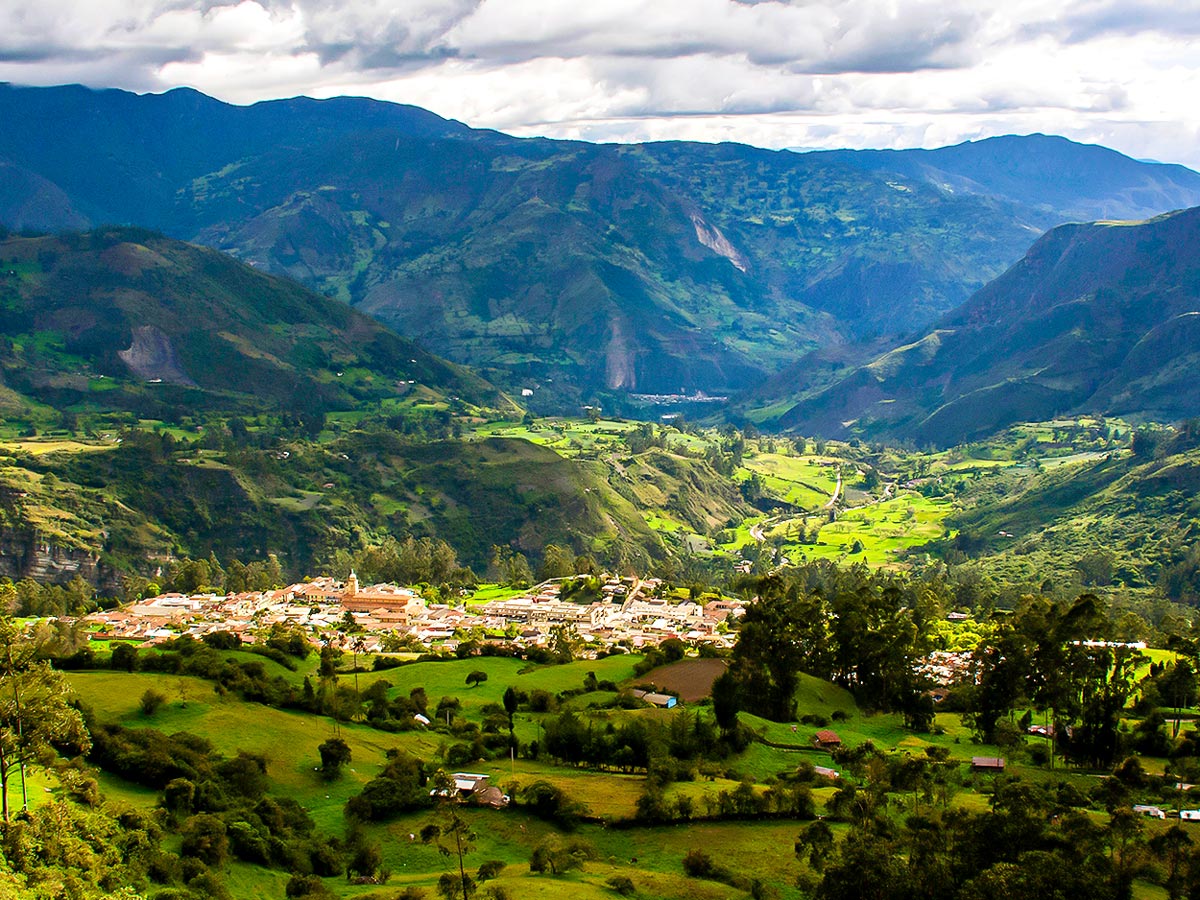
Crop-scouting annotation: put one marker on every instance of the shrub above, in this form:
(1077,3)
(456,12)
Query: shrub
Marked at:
(490,869)
(151,701)
(622,884)
(554,856)
(306,886)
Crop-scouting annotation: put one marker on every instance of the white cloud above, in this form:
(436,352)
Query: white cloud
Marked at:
(811,72)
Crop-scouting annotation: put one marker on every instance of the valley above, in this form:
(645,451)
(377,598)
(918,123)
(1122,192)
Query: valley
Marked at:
(393,509)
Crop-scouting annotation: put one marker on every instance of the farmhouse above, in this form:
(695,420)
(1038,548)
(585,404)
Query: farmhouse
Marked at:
(665,701)
(469,786)
(827,740)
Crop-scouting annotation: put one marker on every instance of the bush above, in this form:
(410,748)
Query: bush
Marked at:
(306,886)
(205,839)
(452,887)
(151,701)
(490,869)
(555,856)
(622,884)
(698,864)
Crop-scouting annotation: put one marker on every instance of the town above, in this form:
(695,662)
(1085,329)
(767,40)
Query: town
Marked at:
(629,612)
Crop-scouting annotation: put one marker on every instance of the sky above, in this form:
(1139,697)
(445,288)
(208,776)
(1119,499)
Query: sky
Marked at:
(774,73)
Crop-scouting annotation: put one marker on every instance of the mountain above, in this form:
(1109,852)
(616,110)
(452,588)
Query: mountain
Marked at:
(565,267)
(126,319)
(1081,182)
(1104,519)
(1098,318)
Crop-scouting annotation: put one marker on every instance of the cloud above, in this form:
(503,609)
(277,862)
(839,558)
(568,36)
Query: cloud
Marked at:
(809,72)
(1119,17)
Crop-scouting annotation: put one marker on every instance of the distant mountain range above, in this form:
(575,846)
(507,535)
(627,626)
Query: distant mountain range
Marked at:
(567,267)
(1100,318)
(125,319)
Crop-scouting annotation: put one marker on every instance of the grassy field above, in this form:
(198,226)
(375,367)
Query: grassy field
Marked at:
(651,857)
(288,740)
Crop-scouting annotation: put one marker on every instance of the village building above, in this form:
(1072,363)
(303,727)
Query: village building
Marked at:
(663,701)
(827,740)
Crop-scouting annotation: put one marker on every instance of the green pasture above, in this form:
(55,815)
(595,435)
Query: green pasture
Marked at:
(651,857)
(449,679)
(486,593)
(885,530)
(288,740)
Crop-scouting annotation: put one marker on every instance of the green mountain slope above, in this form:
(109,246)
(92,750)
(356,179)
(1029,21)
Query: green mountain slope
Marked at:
(123,318)
(1113,520)
(574,267)
(1096,318)
(99,509)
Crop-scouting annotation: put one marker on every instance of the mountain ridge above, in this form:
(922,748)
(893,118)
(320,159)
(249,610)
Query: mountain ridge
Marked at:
(125,317)
(577,270)
(1098,318)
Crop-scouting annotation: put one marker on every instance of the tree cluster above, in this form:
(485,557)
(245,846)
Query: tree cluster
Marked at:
(862,629)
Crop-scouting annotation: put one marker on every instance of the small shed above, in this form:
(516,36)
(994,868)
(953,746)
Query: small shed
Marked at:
(1190,815)
(827,740)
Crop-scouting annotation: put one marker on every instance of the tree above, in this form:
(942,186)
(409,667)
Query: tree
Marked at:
(726,702)
(773,647)
(815,842)
(205,837)
(557,562)
(451,833)
(476,678)
(512,701)
(556,856)
(1172,847)
(35,715)
(564,641)
(124,657)
(335,753)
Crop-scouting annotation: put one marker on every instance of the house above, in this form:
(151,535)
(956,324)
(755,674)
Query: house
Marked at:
(1153,812)
(468,782)
(466,785)
(827,740)
(987,764)
(826,772)
(1190,815)
(665,701)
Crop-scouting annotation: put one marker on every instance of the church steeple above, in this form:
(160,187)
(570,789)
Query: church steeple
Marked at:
(352,585)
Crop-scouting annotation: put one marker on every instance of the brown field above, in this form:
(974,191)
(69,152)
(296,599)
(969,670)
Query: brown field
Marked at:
(691,679)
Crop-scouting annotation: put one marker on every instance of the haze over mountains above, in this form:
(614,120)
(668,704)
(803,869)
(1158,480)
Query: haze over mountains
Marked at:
(575,267)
